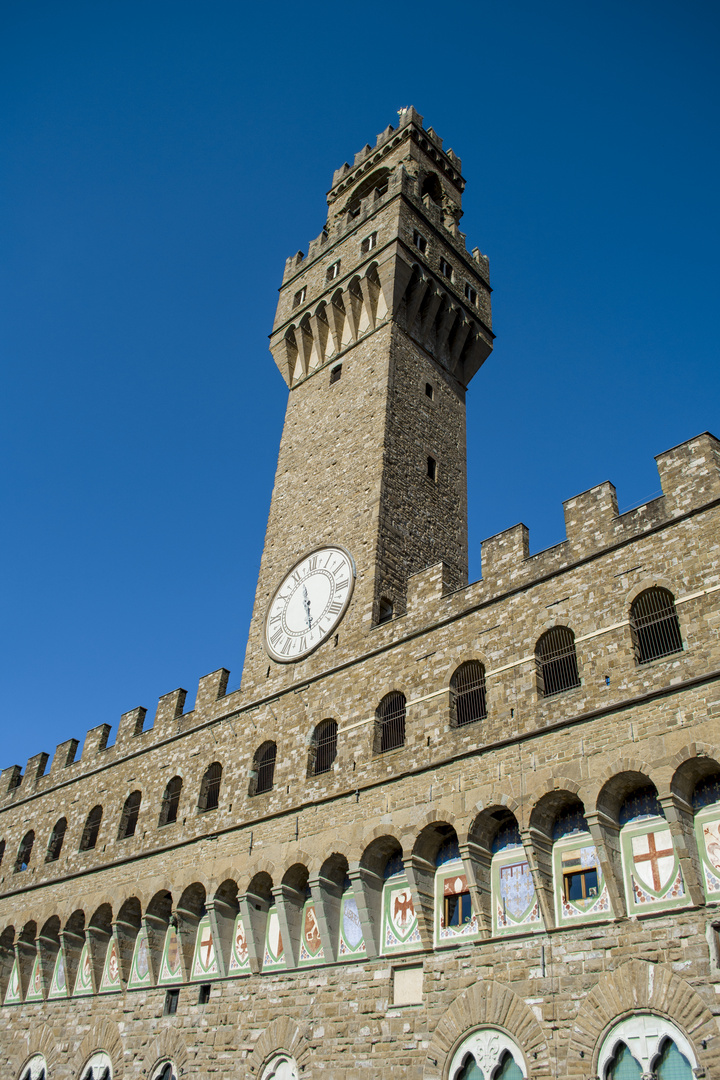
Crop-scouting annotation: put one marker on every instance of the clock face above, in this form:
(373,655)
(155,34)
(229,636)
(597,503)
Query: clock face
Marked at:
(309,604)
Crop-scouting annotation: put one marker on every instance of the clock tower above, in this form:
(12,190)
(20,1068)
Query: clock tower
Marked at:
(378,331)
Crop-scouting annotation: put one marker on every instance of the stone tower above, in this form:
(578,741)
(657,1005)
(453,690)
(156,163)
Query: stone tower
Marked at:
(378,331)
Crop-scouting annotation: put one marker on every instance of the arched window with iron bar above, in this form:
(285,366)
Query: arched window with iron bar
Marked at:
(210,787)
(262,777)
(170,802)
(55,842)
(654,624)
(467,688)
(92,828)
(556,661)
(129,816)
(390,722)
(323,748)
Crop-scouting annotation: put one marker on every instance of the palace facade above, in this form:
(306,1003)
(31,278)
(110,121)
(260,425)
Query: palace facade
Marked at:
(444,830)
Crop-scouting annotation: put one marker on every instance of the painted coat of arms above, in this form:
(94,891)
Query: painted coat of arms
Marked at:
(58,983)
(401,926)
(352,941)
(239,958)
(83,979)
(204,959)
(274,947)
(140,967)
(311,948)
(111,971)
(655,871)
(170,966)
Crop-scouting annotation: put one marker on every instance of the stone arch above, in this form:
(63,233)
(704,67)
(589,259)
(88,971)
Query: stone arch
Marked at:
(103,1035)
(495,1005)
(228,873)
(169,1044)
(525,809)
(620,785)
(441,814)
(691,764)
(637,986)
(42,1041)
(543,810)
(259,866)
(379,831)
(318,862)
(281,1034)
(648,583)
(457,662)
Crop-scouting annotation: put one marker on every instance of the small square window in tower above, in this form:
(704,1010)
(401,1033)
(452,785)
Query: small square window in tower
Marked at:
(369,243)
(419,241)
(446,269)
(335,373)
(299,297)
(470,293)
(333,271)
(429,392)
(431,468)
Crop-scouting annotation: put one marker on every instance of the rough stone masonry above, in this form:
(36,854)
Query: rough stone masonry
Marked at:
(548,736)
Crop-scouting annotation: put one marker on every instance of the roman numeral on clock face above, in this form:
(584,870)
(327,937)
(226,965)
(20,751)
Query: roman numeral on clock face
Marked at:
(309,603)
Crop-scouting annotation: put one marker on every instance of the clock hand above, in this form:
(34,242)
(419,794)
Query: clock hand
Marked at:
(306,604)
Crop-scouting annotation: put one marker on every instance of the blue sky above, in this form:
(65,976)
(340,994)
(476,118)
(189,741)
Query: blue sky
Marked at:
(160,160)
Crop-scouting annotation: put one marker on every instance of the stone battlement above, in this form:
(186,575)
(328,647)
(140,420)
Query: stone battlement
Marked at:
(389,155)
(690,479)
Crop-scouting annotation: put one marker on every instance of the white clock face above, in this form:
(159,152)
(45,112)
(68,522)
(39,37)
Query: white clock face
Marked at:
(309,604)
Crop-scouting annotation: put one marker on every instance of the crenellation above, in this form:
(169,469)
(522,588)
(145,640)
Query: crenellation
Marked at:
(34,770)
(10,779)
(439,804)
(96,742)
(169,710)
(131,725)
(501,554)
(211,688)
(384,136)
(589,517)
(63,757)
(690,473)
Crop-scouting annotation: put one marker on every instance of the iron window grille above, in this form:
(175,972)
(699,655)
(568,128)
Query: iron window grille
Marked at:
(468,693)
(324,747)
(556,661)
(210,791)
(419,241)
(654,625)
(56,841)
(391,722)
(92,828)
(265,766)
(171,801)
